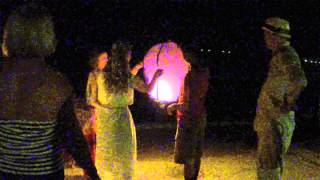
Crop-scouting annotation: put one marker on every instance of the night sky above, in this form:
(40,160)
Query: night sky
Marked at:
(220,26)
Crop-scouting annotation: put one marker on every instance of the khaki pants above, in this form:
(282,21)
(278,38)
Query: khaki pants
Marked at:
(273,143)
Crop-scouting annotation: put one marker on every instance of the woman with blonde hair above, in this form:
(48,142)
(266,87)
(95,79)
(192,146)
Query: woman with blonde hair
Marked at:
(37,117)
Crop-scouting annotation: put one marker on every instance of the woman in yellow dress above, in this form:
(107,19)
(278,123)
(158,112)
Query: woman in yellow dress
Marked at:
(116,148)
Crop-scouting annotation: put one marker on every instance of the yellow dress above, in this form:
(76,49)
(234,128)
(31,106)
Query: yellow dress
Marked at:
(116,146)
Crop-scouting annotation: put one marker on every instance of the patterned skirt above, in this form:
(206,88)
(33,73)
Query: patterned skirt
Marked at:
(116,148)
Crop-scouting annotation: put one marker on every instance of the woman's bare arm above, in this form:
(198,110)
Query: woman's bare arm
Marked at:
(141,86)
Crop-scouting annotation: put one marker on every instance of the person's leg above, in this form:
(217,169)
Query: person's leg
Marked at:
(191,169)
(269,174)
(269,154)
(181,146)
(285,126)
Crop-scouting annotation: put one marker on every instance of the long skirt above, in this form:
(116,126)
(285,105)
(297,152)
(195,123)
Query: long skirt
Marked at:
(116,148)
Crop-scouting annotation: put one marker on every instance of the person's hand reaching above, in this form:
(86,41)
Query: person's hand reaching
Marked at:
(171,108)
(136,68)
(158,73)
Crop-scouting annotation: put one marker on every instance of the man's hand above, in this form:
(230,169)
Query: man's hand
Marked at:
(286,108)
(175,106)
(171,108)
(276,102)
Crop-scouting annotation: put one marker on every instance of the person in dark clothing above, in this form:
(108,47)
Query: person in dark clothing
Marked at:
(191,116)
(37,119)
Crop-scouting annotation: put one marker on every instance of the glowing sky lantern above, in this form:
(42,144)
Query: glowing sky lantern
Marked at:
(169,57)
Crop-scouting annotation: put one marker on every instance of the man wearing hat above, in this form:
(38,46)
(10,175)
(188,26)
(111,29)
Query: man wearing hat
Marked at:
(274,121)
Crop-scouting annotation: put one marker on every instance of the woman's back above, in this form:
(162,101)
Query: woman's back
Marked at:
(32,95)
(112,99)
(31,91)
(36,113)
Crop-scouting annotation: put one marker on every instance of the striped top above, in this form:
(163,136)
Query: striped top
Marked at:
(29,147)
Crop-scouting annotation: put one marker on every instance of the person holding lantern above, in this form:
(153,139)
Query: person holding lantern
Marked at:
(116,147)
(98,61)
(191,115)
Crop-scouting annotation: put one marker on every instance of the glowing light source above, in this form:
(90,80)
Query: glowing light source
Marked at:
(169,57)
(315,61)
(165,94)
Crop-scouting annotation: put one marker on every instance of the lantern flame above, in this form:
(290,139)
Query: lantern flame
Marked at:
(163,92)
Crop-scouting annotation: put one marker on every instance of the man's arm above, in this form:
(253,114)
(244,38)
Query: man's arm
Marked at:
(296,79)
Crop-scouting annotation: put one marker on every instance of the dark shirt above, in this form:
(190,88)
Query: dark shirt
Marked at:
(193,94)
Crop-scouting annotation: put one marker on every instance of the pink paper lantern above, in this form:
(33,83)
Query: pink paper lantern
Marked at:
(169,57)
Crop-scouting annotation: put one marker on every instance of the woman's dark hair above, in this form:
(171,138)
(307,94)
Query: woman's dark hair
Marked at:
(29,31)
(117,71)
(93,57)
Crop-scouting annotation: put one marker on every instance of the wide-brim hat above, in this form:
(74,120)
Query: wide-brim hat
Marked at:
(277,26)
